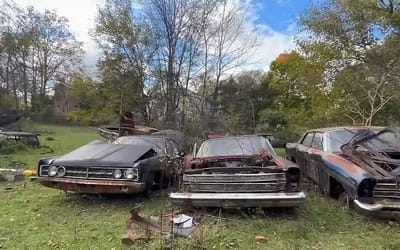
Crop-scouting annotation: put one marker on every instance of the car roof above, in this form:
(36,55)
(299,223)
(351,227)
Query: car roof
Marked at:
(143,136)
(331,129)
(16,133)
(234,137)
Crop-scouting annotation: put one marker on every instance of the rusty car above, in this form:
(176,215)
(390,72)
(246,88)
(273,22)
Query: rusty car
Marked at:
(26,138)
(357,165)
(128,165)
(238,171)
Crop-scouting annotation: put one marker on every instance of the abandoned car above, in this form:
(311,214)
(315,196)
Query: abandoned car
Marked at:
(24,137)
(359,165)
(241,171)
(130,164)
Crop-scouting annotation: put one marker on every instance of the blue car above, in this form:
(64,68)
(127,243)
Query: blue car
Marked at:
(359,165)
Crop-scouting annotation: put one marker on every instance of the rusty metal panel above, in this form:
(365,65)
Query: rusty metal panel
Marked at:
(226,178)
(93,186)
(235,187)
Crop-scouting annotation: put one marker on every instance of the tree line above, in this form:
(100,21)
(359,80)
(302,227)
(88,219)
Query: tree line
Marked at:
(177,64)
(36,49)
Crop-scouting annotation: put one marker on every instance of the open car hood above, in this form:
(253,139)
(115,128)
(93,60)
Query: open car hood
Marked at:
(103,154)
(382,162)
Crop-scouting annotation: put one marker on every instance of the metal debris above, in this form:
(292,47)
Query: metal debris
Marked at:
(150,227)
(10,175)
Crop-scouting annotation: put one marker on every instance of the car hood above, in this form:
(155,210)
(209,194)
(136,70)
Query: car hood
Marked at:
(103,154)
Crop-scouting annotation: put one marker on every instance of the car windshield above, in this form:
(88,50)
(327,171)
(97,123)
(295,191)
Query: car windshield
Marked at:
(157,143)
(235,147)
(385,141)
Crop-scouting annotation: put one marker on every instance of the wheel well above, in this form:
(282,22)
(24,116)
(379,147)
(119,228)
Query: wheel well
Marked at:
(335,188)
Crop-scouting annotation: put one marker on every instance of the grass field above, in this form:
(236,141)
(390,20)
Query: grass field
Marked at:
(34,217)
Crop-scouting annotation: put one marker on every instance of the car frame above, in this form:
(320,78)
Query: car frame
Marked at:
(349,164)
(129,165)
(252,177)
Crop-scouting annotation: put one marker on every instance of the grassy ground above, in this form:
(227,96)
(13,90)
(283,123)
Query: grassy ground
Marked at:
(34,217)
(57,140)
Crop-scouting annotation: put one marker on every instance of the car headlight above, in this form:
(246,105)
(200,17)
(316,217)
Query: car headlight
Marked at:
(130,174)
(117,173)
(53,171)
(61,171)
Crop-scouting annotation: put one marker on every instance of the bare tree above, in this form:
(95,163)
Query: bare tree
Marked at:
(228,43)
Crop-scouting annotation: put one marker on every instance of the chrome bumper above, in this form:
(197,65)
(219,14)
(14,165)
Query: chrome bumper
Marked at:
(385,210)
(238,199)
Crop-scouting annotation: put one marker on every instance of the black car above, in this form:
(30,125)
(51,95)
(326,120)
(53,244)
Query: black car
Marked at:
(130,164)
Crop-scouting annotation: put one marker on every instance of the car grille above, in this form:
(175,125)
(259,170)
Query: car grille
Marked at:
(389,190)
(234,183)
(86,172)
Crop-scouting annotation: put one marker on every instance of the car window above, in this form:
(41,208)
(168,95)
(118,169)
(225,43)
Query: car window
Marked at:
(234,147)
(307,140)
(317,141)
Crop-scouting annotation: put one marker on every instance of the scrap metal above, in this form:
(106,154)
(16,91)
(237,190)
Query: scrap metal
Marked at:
(150,227)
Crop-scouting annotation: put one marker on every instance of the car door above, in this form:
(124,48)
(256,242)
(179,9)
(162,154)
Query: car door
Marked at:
(301,153)
(313,159)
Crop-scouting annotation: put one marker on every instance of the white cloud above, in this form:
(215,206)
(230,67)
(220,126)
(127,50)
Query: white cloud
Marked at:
(270,46)
(81,16)
(271,43)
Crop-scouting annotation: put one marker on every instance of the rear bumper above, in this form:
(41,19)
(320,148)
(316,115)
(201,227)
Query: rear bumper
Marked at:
(238,199)
(379,209)
(93,186)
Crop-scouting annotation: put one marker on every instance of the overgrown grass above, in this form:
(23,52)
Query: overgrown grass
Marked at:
(35,217)
(63,140)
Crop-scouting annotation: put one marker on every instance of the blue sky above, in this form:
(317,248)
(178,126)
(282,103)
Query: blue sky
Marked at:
(280,15)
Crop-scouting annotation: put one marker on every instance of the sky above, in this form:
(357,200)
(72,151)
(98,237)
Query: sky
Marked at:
(276,18)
